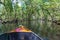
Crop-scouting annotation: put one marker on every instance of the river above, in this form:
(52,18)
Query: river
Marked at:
(42,28)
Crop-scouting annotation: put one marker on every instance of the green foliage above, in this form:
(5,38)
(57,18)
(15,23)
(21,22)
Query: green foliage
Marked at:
(8,5)
(32,10)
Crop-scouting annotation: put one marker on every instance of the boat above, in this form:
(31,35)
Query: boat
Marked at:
(20,33)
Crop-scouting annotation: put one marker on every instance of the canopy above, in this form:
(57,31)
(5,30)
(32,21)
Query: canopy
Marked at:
(21,33)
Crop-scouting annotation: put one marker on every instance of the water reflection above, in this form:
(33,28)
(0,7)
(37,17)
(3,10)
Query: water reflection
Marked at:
(42,28)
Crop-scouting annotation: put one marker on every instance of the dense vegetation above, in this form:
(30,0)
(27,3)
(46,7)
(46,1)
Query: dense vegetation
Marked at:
(28,12)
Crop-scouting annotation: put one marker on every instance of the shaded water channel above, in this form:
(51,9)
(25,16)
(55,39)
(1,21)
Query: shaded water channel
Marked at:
(42,28)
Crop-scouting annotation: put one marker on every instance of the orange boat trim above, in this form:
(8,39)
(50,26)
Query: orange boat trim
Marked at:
(21,29)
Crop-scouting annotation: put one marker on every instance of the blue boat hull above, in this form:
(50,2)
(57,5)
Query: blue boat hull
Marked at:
(19,36)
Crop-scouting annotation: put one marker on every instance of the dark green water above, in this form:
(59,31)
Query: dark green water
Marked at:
(42,28)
